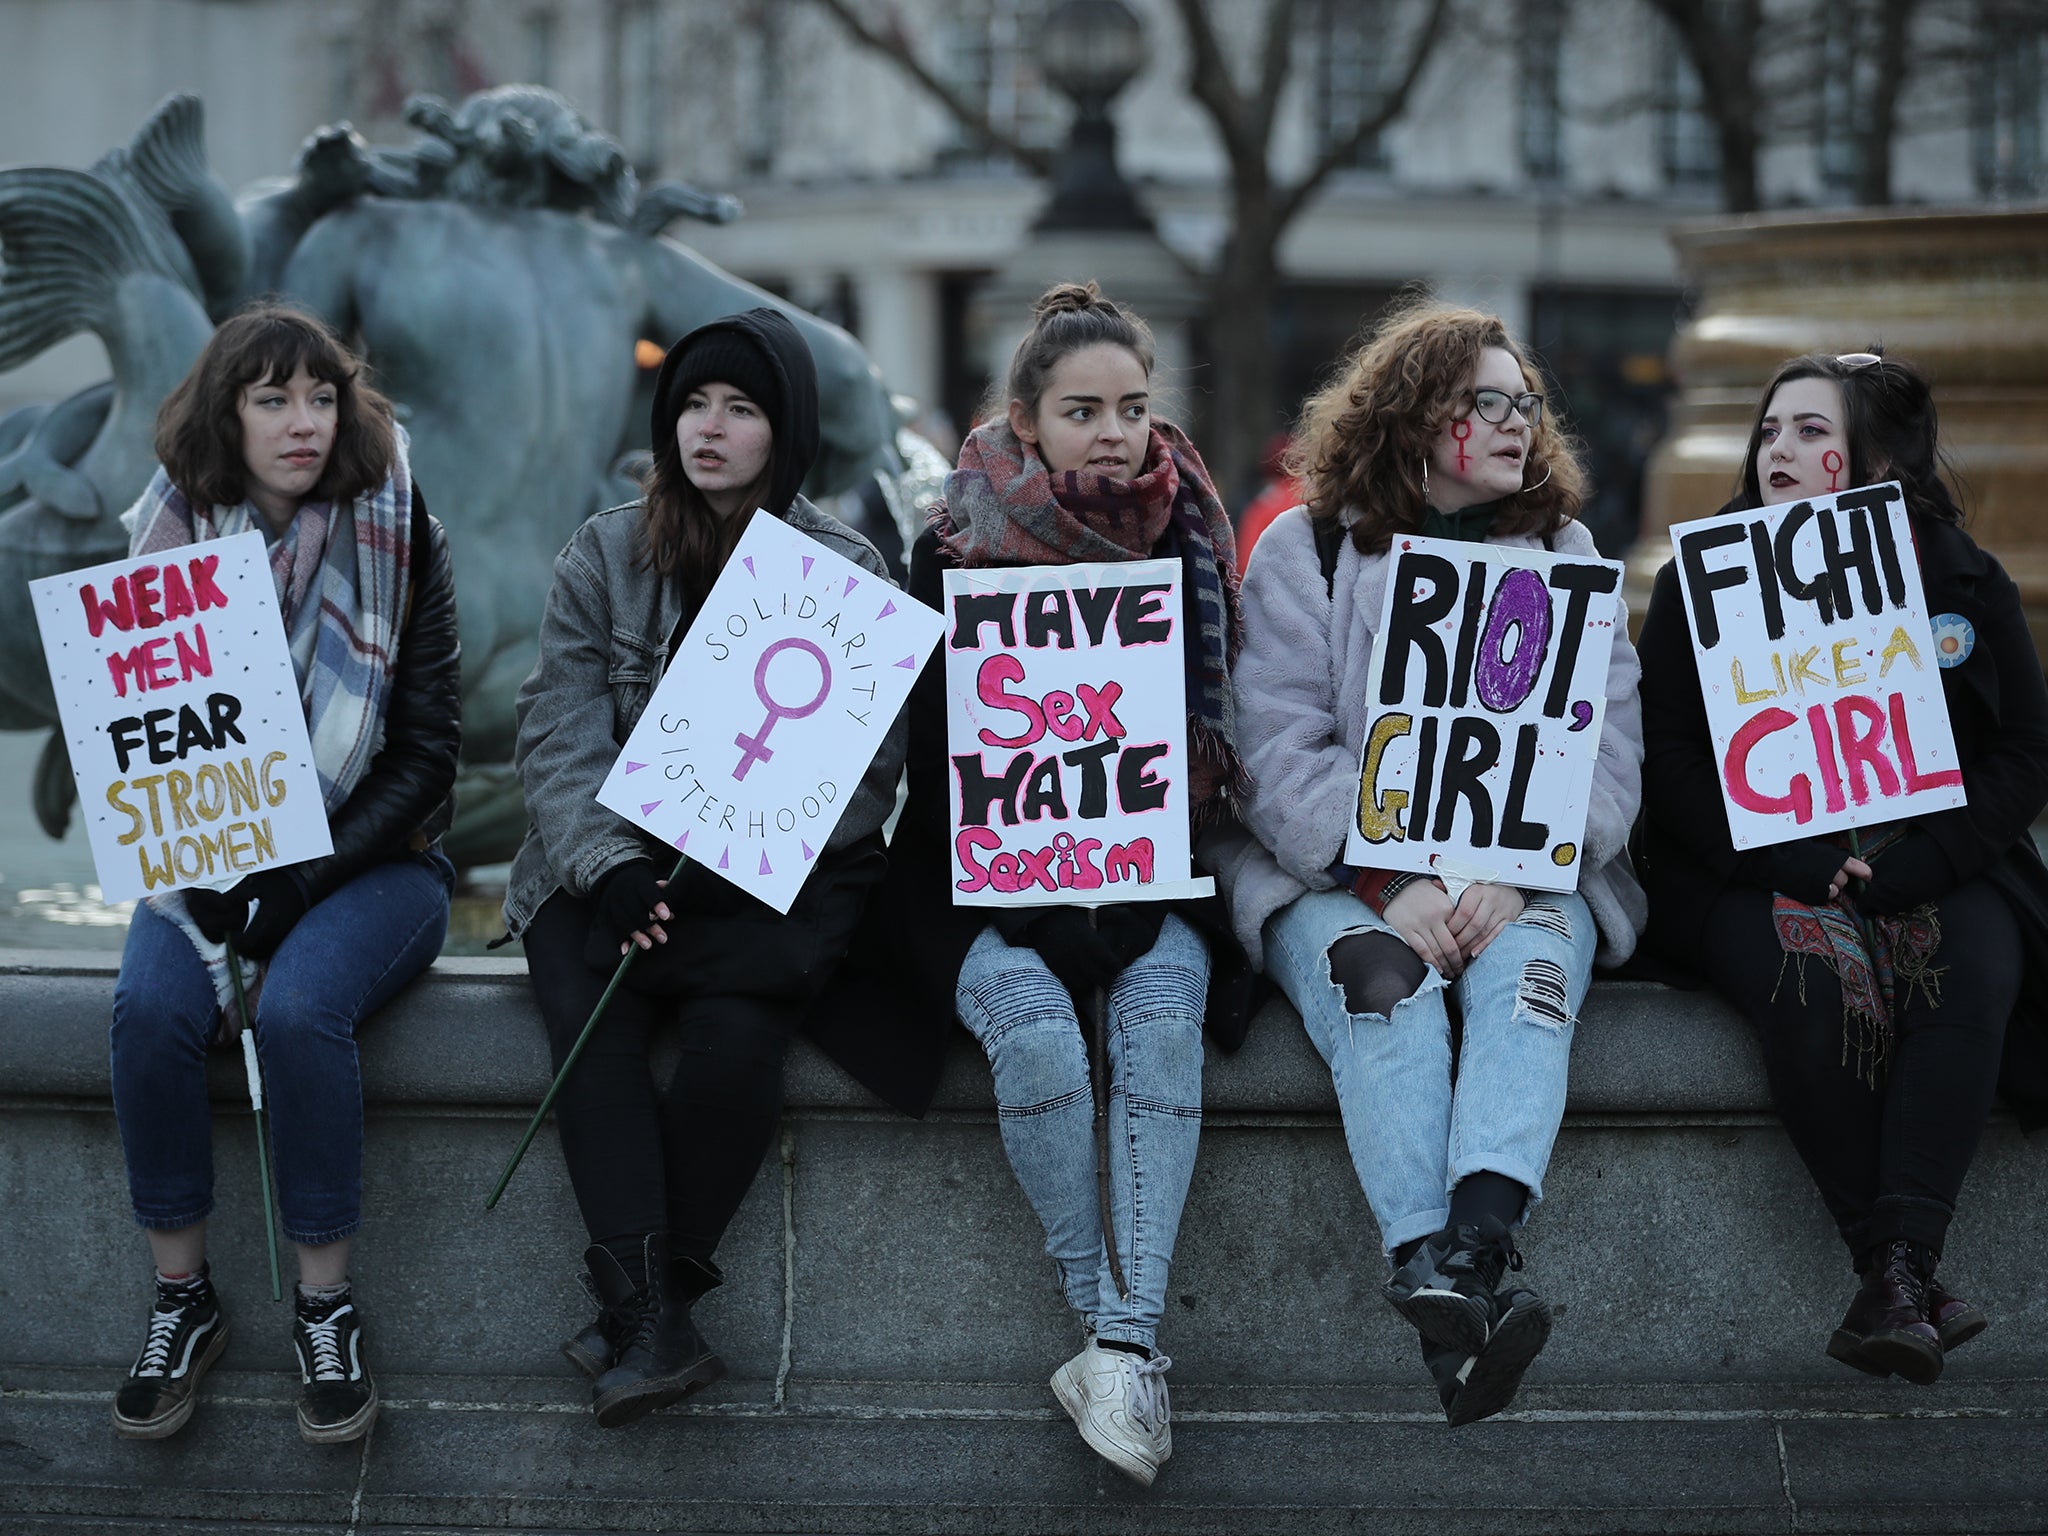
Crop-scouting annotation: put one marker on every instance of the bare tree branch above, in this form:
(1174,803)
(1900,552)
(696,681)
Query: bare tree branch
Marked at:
(1392,106)
(1275,55)
(1210,83)
(894,45)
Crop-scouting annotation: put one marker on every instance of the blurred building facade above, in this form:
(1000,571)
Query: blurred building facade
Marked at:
(1543,154)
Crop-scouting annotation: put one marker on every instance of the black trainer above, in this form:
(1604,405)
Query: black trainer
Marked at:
(187,1332)
(1446,1289)
(337,1396)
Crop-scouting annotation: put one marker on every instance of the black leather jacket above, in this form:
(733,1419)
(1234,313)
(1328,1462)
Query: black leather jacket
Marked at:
(405,800)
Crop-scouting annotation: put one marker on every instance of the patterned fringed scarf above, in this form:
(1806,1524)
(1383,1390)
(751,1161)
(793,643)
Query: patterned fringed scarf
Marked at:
(1870,975)
(342,574)
(1003,507)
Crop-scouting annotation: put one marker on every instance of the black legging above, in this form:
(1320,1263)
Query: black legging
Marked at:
(1889,1160)
(641,1161)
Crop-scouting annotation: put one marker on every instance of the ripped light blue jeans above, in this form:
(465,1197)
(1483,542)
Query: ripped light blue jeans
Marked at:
(1414,1131)
(1045,1107)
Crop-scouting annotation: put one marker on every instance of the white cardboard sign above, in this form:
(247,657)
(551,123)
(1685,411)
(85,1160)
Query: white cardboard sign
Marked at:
(1067,735)
(178,702)
(1819,664)
(776,703)
(1487,691)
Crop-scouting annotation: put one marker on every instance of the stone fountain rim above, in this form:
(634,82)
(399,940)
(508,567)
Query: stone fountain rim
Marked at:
(1848,232)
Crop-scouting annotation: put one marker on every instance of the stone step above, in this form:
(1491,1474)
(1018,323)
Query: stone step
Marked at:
(510,1453)
(890,1320)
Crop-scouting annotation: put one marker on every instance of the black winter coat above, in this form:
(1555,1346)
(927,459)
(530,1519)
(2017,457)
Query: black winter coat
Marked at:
(405,798)
(1998,709)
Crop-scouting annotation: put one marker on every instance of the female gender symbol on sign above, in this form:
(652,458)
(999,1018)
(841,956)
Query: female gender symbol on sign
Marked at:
(755,749)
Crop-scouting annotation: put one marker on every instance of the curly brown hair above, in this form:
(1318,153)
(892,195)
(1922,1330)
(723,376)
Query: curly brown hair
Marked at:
(199,425)
(1364,438)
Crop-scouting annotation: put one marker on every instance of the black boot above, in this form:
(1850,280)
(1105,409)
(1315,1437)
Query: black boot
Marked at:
(665,1358)
(1887,1328)
(596,1349)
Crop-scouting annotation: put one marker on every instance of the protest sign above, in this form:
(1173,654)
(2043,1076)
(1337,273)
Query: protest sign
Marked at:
(178,703)
(1819,665)
(1487,690)
(1067,733)
(775,705)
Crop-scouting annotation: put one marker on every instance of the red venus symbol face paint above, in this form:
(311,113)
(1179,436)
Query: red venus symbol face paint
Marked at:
(1831,461)
(1461,432)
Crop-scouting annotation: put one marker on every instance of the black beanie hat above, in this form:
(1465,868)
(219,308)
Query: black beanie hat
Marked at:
(724,355)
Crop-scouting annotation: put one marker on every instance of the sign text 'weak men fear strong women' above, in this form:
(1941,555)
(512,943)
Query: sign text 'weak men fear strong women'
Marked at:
(1819,665)
(182,715)
(1487,691)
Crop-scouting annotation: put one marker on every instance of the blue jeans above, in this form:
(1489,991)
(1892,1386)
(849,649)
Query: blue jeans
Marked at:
(1414,1131)
(346,958)
(1025,1021)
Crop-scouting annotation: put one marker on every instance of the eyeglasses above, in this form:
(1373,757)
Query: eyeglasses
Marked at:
(1493,405)
(1858,359)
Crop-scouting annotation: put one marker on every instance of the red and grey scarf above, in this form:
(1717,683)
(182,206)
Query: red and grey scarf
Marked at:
(1004,507)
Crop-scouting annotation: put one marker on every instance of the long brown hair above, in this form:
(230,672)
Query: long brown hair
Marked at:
(1364,438)
(199,425)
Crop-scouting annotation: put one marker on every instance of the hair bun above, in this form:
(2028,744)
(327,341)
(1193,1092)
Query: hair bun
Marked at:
(1067,299)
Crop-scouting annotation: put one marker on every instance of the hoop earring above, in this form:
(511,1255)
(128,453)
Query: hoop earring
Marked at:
(1525,490)
(1425,480)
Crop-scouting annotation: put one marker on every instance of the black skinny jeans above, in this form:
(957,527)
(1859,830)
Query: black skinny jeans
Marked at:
(642,1161)
(1889,1160)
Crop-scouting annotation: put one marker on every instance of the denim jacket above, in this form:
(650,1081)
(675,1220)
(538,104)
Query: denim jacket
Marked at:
(604,641)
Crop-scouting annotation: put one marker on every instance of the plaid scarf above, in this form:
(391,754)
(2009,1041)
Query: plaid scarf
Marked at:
(1872,957)
(1004,507)
(343,575)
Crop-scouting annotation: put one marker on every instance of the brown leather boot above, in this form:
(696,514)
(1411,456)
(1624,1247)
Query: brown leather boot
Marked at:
(1886,1329)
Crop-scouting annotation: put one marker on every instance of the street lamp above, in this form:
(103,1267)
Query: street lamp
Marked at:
(1089,51)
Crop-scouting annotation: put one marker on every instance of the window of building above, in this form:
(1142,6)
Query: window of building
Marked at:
(1686,150)
(1543,24)
(634,82)
(988,53)
(2006,105)
(1349,58)
(539,38)
(760,76)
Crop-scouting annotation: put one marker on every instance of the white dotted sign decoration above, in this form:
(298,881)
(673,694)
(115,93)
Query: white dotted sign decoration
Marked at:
(775,705)
(182,716)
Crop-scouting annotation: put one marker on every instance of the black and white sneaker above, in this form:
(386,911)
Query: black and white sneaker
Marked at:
(1447,1289)
(187,1332)
(337,1396)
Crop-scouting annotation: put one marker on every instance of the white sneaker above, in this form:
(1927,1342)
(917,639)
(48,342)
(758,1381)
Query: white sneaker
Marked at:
(1118,1401)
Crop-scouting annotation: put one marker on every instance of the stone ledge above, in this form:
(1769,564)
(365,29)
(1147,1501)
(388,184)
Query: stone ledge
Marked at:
(467,1032)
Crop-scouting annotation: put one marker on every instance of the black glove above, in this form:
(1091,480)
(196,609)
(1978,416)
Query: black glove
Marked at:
(1800,870)
(1131,929)
(1910,872)
(1073,950)
(623,900)
(254,915)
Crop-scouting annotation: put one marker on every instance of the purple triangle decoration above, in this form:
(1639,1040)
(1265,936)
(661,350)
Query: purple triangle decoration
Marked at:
(809,852)
(809,561)
(749,562)
(851,583)
(647,807)
(909,663)
(764,865)
(888,608)
(634,767)
(682,842)
(725,859)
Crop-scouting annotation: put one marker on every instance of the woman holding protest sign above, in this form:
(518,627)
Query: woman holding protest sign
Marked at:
(1075,467)
(276,429)
(658,1176)
(1435,426)
(1881,967)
